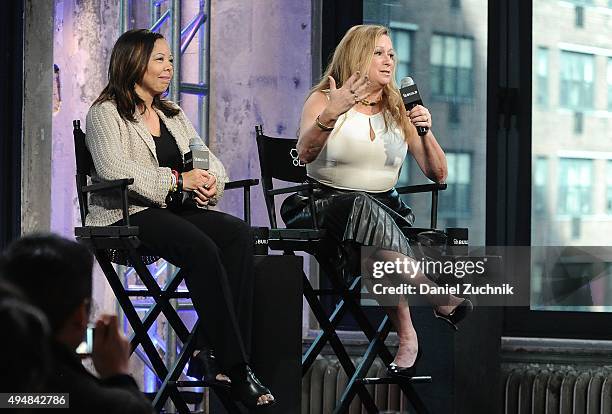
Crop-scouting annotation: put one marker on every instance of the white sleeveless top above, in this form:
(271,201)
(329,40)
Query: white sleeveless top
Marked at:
(350,160)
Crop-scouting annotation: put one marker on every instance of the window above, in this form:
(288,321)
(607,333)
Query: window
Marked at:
(577,73)
(402,43)
(609,76)
(455,200)
(609,187)
(575,186)
(540,179)
(542,77)
(579,16)
(460,122)
(451,67)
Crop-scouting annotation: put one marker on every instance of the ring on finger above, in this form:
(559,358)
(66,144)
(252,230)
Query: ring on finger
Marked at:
(355,98)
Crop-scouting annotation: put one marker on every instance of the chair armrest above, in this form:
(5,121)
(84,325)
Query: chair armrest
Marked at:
(120,185)
(292,189)
(309,186)
(421,188)
(432,188)
(106,185)
(246,195)
(241,183)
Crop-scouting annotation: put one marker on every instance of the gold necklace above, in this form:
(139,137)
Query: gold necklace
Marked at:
(365,102)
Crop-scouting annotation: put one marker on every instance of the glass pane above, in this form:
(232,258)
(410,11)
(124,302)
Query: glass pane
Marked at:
(436,50)
(450,51)
(465,53)
(401,44)
(451,75)
(402,40)
(571,150)
(541,60)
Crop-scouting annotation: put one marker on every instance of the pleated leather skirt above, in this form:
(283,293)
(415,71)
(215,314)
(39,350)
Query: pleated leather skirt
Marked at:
(367,219)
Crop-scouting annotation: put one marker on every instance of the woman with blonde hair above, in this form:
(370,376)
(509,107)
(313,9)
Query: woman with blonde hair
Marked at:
(354,136)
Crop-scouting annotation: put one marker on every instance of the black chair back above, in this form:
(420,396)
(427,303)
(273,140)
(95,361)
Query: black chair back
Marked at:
(278,159)
(84,165)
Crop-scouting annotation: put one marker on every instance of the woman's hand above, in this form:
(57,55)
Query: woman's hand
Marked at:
(344,98)
(202,183)
(420,116)
(197,178)
(203,196)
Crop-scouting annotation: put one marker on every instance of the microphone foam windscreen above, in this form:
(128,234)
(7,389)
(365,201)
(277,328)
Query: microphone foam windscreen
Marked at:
(407,81)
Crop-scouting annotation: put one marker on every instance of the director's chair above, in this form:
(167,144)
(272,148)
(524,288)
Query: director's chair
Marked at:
(120,245)
(278,160)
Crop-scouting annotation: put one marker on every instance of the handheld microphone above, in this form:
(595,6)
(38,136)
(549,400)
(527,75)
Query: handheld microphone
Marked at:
(198,155)
(411,97)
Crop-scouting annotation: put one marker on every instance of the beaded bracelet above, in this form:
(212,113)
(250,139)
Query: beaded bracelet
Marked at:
(174,184)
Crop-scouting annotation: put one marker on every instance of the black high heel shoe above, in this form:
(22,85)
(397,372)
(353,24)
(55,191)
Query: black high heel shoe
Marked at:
(457,315)
(203,366)
(247,389)
(396,371)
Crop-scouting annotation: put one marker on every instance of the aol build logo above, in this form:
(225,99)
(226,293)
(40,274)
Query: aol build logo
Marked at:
(296,160)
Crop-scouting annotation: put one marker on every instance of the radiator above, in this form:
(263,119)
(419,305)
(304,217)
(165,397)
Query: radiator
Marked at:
(324,383)
(557,390)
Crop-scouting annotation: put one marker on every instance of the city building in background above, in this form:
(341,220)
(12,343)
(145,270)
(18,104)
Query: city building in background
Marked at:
(443,47)
(572,148)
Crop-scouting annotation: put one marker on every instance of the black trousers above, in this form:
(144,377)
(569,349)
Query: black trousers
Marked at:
(216,250)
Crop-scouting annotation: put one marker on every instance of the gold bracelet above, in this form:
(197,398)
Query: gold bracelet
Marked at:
(323,127)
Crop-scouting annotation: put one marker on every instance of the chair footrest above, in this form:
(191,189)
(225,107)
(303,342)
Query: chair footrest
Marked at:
(296,234)
(389,380)
(147,293)
(106,231)
(199,383)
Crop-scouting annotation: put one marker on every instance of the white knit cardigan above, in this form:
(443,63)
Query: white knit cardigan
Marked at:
(124,149)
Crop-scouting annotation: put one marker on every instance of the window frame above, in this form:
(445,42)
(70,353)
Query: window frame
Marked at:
(11,74)
(455,97)
(509,142)
(582,105)
(569,190)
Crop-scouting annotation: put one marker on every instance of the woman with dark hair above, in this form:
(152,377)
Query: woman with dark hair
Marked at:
(132,131)
(354,136)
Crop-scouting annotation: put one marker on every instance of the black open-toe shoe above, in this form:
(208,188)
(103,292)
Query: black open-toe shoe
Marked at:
(203,366)
(247,389)
(457,315)
(396,371)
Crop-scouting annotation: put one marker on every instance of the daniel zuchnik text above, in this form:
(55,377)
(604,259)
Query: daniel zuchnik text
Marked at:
(458,289)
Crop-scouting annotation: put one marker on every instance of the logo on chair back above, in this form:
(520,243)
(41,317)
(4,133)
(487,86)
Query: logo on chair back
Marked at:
(296,160)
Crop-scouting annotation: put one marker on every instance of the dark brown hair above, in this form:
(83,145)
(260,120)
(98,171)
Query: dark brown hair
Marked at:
(54,274)
(127,67)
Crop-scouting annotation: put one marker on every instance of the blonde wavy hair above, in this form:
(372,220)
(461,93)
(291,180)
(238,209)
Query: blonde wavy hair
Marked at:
(354,53)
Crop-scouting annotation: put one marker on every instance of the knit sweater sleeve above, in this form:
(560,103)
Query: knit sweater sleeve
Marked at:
(103,138)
